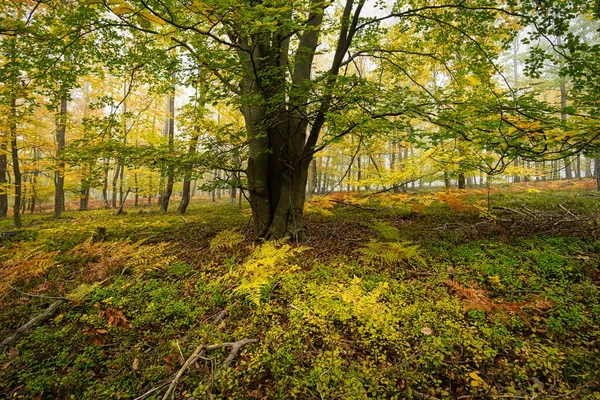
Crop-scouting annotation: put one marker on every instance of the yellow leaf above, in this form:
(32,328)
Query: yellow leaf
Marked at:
(473,375)
(123,8)
(153,18)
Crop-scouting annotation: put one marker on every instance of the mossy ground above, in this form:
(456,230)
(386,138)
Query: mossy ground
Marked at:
(502,302)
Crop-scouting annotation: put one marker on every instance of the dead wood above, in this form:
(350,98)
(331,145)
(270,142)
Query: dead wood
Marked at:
(200,351)
(35,321)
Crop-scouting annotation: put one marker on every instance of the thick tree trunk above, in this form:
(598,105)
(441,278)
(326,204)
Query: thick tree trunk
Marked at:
(59,174)
(15,162)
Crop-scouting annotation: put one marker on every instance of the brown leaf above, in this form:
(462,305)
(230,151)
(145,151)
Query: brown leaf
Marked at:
(136,365)
(13,353)
(4,366)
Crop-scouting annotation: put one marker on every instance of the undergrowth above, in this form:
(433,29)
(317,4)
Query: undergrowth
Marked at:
(432,295)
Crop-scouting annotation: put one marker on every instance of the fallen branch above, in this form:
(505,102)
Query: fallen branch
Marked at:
(354,205)
(35,321)
(508,209)
(199,352)
(39,296)
(568,212)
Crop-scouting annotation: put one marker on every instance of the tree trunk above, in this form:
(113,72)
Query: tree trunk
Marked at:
(461,180)
(137,190)
(84,195)
(3,180)
(187,180)
(105,185)
(15,161)
(59,174)
(314,175)
(447,180)
(164,206)
(597,171)
(115,182)
(516,177)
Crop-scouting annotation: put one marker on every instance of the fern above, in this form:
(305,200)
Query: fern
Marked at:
(226,239)
(387,232)
(82,291)
(265,263)
(25,264)
(389,254)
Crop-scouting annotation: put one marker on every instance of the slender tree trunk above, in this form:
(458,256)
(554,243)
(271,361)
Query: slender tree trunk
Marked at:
(115,182)
(3,180)
(446,180)
(105,185)
(15,161)
(597,171)
(578,166)
(170,170)
(461,180)
(187,180)
(59,174)
(84,195)
(137,190)
(313,178)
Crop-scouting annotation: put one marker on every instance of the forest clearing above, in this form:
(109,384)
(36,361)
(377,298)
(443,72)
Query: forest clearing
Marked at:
(307,199)
(417,295)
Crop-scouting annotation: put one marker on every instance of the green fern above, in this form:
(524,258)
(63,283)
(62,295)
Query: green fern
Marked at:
(389,254)
(226,239)
(266,262)
(386,231)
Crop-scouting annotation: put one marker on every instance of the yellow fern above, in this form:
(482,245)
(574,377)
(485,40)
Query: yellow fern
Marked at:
(226,239)
(389,254)
(266,262)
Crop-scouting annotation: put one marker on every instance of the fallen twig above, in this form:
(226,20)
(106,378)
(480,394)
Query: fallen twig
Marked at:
(39,296)
(200,351)
(568,212)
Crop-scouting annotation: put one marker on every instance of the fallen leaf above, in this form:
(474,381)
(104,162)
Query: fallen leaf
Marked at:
(426,331)
(4,366)
(13,353)
(136,365)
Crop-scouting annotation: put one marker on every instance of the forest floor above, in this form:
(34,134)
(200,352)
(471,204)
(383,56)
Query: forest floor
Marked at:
(449,294)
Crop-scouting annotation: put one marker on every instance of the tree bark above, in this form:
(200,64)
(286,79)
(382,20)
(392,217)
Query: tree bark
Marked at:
(3,180)
(59,174)
(597,171)
(15,161)
(105,185)
(164,206)
(461,180)
(187,180)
